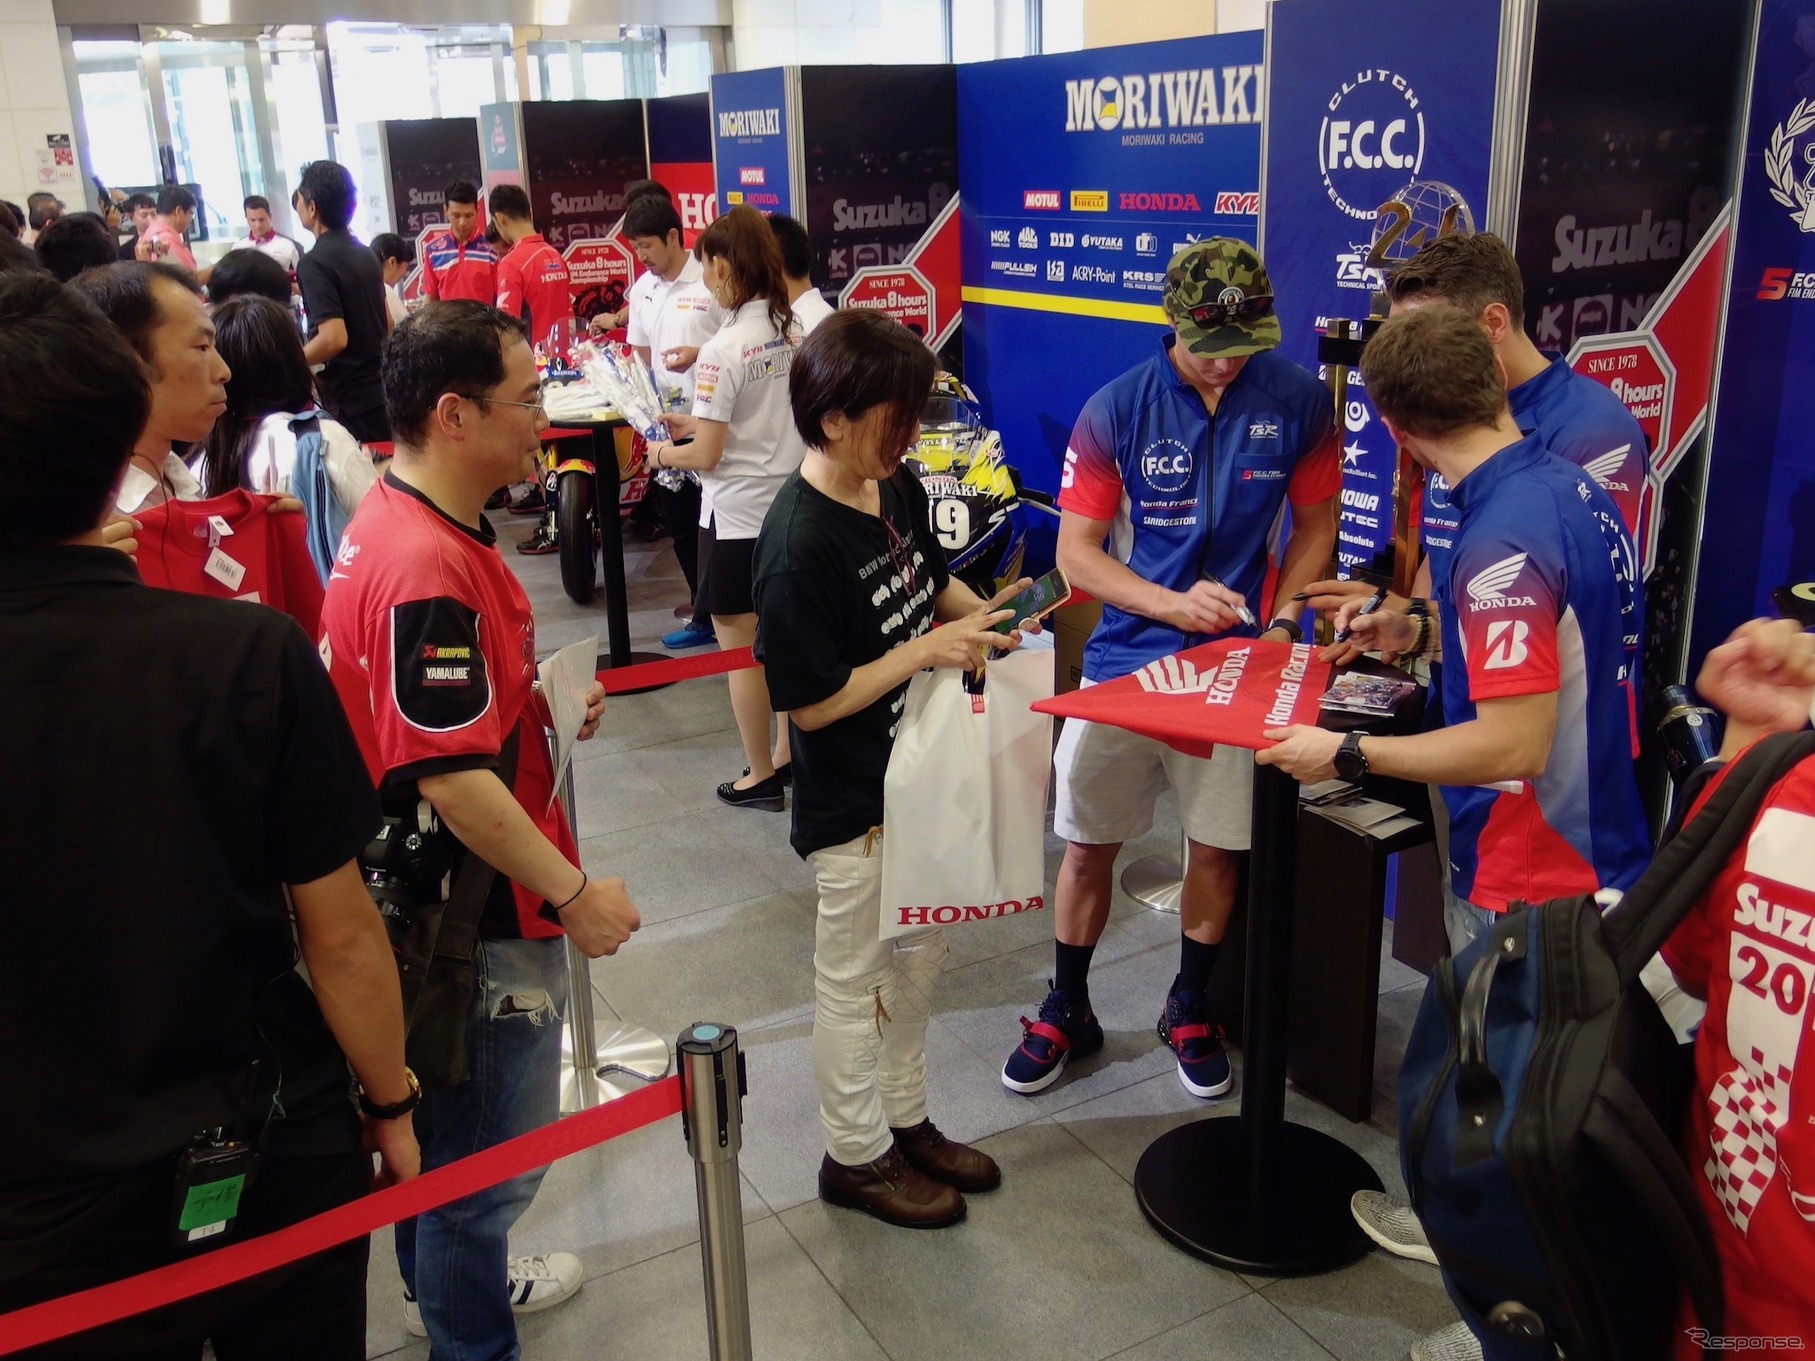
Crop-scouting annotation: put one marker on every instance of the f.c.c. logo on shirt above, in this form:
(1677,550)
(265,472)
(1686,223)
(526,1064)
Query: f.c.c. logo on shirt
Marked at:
(1166,465)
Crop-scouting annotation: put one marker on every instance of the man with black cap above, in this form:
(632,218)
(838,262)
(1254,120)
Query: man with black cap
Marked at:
(1177,474)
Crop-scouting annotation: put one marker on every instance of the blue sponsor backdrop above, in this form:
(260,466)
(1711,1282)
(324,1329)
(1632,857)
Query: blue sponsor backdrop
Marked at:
(1080,175)
(751,140)
(1355,113)
(1759,529)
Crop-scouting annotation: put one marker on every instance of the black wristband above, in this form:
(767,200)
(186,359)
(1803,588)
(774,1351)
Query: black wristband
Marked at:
(1290,626)
(551,912)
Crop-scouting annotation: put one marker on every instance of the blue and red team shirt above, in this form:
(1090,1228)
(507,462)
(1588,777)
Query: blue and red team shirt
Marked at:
(1187,493)
(459,271)
(1581,422)
(1542,597)
(533,284)
(429,640)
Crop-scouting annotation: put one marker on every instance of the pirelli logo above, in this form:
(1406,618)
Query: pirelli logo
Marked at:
(1089,200)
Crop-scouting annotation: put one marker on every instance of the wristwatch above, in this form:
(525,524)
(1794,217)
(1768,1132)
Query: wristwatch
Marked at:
(373,1110)
(1290,626)
(1349,762)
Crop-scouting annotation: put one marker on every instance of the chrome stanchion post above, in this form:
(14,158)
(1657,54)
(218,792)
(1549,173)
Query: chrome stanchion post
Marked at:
(580,1090)
(712,1119)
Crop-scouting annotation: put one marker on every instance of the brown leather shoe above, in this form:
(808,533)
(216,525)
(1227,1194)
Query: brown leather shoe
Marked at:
(892,1191)
(957,1165)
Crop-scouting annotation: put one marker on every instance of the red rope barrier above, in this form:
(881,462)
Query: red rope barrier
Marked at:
(621,679)
(91,1308)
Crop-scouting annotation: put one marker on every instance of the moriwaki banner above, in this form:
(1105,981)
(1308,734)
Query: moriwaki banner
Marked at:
(753,140)
(1375,142)
(1758,531)
(1082,174)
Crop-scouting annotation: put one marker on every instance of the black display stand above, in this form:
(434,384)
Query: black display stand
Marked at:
(606,512)
(1254,1193)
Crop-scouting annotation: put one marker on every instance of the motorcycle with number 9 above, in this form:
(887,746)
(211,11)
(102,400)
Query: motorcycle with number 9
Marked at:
(973,494)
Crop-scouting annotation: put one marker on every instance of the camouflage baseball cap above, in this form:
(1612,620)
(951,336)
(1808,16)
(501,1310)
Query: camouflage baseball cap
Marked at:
(1219,298)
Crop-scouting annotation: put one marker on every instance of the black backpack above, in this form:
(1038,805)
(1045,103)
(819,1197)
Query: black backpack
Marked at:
(1541,1100)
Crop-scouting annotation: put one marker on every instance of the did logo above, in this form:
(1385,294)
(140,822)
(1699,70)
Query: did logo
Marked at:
(1371,140)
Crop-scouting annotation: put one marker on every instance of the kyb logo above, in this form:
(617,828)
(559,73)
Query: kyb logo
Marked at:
(1599,247)
(1040,200)
(1372,124)
(1166,465)
(1169,99)
(1230,204)
(1487,589)
(749,123)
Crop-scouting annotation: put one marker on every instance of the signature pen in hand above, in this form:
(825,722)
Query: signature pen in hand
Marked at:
(1368,606)
(1242,612)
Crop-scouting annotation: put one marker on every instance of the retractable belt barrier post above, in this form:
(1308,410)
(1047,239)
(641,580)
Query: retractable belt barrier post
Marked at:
(712,1116)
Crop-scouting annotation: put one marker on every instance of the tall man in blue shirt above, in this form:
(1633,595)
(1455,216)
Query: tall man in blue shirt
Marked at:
(1178,473)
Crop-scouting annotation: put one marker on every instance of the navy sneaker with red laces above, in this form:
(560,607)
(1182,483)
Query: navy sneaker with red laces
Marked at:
(1066,1030)
(1203,1066)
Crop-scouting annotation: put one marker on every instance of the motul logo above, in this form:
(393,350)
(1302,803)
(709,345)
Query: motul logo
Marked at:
(951,916)
(1159,203)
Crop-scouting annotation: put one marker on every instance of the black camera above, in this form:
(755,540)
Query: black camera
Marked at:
(405,863)
(1689,732)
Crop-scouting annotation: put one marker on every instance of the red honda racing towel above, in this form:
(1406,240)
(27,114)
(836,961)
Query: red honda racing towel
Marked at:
(1227,692)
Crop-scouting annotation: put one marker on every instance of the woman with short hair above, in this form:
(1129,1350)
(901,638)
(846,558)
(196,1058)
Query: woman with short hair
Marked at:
(849,583)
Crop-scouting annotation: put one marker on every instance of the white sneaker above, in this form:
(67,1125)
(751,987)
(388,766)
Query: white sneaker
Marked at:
(1389,1221)
(536,1283)
(543,1281)
(1454,1343)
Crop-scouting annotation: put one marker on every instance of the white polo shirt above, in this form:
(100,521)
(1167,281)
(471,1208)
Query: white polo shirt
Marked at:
(811,308)
(742,379)
(670,314)
(280,248)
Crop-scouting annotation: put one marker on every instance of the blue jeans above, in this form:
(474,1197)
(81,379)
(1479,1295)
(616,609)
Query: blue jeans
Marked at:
(454,1259)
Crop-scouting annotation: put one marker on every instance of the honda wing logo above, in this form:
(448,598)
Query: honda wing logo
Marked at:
(1487,589)
(1603,468)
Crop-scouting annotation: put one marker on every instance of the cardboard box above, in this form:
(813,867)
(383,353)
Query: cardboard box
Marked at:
(1072,626)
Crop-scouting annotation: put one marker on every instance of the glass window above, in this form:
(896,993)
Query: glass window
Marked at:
(603,64)
(208,96)
(1061,25)
(465,79)
(913,31)
(298,125)
(380,71)
(689,70)
(111,81)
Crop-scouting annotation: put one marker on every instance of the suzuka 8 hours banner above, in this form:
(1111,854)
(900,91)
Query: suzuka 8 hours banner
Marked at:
(752,140)
(1758,531)
(1379,136)
(1081,174)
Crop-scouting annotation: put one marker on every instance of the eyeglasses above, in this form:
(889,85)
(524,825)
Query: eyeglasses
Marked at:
(539,405)
(901,556)
(1222,313)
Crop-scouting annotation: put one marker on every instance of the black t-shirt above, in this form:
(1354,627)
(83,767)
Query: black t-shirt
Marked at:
(341,278)
(167,765)
(831,596)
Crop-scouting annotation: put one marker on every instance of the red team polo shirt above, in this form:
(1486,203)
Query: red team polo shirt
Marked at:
(459,271)
(1748,948)
(265,559)
(533,284)
(429,639)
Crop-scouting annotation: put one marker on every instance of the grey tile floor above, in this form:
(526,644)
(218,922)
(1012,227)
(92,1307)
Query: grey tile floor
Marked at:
(1059,1263)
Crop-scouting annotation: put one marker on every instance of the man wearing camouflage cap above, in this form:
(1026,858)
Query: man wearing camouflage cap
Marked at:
(1176,476)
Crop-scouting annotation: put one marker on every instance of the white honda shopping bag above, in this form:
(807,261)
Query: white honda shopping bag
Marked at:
(964,804)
